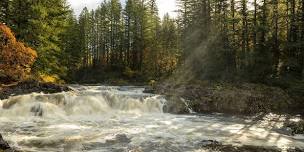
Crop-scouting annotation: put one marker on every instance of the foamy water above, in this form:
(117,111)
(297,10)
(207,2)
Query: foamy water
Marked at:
(99,118)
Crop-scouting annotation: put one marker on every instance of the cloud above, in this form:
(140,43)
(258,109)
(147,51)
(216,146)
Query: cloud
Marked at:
(164,6)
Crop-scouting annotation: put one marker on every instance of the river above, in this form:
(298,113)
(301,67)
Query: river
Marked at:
(104,118)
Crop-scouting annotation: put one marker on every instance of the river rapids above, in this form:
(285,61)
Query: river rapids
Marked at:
(113,119)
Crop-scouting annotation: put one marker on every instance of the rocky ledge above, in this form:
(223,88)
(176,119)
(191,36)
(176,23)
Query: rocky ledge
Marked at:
(239,99)
(30,86)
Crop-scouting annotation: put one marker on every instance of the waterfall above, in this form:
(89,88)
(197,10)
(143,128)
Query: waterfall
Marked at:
(93,101)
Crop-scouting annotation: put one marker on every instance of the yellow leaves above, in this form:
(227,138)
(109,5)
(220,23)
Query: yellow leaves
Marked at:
(15,58)
(129,73)
(167,62)
(49,78)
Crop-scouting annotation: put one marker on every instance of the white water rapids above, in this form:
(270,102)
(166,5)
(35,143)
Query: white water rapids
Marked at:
(99,118)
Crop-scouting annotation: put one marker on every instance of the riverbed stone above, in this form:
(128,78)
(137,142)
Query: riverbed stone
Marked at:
(3,144)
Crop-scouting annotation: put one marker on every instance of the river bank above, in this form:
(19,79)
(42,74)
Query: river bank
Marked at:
(228,98)
(30,86)
(243,99)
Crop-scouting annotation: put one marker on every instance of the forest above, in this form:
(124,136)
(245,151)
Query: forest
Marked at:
(259,41)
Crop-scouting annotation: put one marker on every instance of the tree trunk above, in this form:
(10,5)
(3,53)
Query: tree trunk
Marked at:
(276,51)
(302,37)
(255,25)
(233,55)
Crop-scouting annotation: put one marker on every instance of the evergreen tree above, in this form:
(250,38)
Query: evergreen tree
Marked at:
(84,36)
(39,24)
(71,47)
(4,11)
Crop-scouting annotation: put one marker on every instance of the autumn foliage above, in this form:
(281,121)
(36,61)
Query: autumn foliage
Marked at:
(15,58)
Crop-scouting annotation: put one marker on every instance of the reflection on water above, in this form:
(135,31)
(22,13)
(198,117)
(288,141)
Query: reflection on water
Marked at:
(100,118)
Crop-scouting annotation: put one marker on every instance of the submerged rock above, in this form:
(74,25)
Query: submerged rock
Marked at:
(120,138)
(37,110)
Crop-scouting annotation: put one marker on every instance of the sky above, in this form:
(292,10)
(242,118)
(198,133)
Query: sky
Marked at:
(164,6)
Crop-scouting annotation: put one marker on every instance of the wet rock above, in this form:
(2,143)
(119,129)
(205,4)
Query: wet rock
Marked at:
(211,145)
(37,110)
(295,150)
(43,142)
(295,127)
(3,144)
(175,105)
(31,86)
(160,146)
(245,99)
(120,138)
(149,90)
(284,130)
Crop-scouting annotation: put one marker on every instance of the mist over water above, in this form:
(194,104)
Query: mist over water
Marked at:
(100,118)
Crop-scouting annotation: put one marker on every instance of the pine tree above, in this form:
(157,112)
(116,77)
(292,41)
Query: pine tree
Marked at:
(302,39)
(39,24)
(115,18)
(71,47)
(169,45)
(275,39)
(4,11)
(84,36)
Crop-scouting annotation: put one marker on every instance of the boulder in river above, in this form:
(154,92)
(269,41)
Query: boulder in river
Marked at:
(3,144)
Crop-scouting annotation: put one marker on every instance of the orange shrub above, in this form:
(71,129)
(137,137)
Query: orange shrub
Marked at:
(15,58)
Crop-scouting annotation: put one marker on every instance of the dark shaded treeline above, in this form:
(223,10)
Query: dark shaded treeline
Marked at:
(259,40)
(235,40)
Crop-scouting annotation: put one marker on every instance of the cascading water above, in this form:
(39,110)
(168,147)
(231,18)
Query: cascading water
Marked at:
(100,118)
(85,103)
